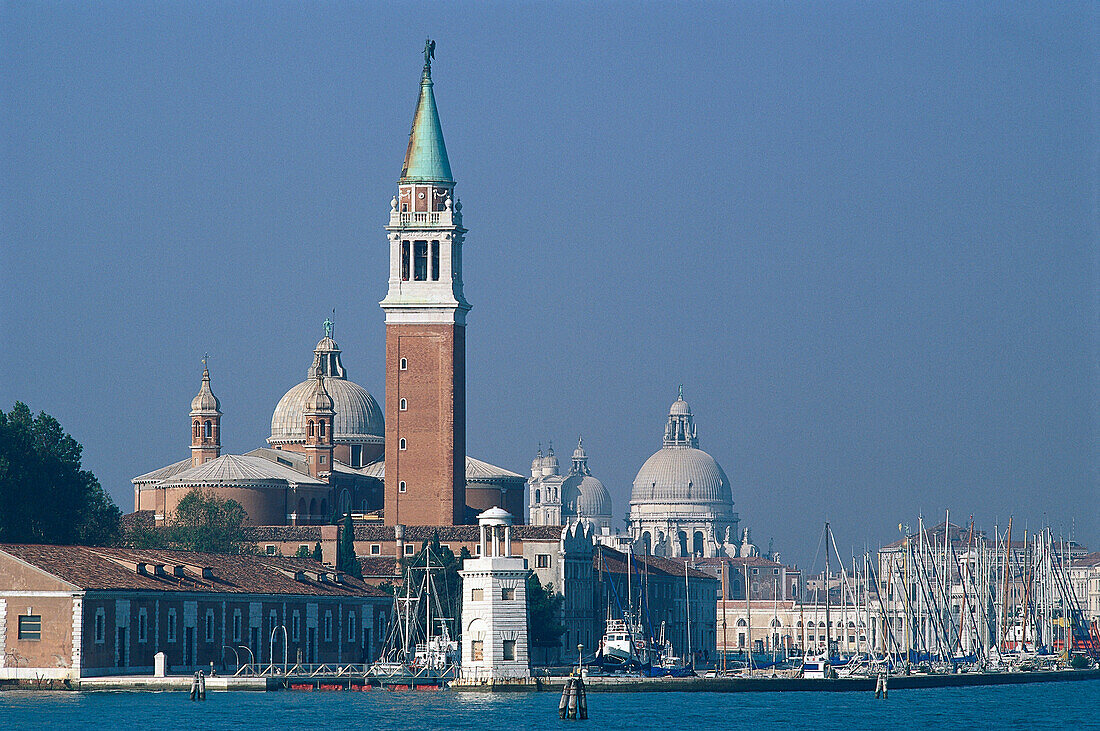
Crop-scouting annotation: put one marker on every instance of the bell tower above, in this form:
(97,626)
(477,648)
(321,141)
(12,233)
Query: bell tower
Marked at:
(425,310)
(319,413)
(206,417)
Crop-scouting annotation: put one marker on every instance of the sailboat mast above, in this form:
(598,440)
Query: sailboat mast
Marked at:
(1004,592)
(828,627)
(687,611)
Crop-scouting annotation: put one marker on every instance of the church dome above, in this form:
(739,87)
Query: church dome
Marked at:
(205,402)
(358,418)
(681,475)
(585,497)
(680,479)
(582,495)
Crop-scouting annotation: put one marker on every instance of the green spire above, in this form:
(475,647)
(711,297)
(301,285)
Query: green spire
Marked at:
(426,158)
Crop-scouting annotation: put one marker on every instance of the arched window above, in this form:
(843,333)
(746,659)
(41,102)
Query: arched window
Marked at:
(195,429)
(404,405)
(313,507)
(401,444)
(324,506)
(321,426)
(647,543)
(741,623)
(207,429)
(345,501)
(538,493)
(301,508)
(697,543)
(312,428)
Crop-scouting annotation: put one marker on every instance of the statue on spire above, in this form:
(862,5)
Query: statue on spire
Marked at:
(329,324)
(680,396)
(429,54)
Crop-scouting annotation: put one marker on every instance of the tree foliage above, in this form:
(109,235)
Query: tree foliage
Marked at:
(45,496)
(543,613)
(346,560)
(207,523)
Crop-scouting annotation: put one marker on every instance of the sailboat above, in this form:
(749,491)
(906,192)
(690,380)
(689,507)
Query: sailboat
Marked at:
(419,649)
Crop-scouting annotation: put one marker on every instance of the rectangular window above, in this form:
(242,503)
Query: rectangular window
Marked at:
(508,594)
(542,561)
(435,261)
(509,649)
(143,625)
(477,595)
(322,459)
(375,549)
(171,625)
(420,261)
(328,626)
(351,627)
(404,261)
(30,627)
(356,455)
(100,626)
(270,550)
(295,626)
(209,625)
(478,647)
(408,549)
(237,624)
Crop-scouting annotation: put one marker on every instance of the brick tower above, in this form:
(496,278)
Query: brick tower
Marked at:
(319,439)
(206,417)
(425,332)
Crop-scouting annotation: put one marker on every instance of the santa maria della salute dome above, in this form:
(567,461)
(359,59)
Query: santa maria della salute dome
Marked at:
(681,503)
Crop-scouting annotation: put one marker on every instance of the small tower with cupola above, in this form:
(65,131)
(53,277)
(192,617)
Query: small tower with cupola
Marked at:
(206,418)
(319,414)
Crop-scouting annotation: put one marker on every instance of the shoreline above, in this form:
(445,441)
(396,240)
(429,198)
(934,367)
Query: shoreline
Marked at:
(595,684)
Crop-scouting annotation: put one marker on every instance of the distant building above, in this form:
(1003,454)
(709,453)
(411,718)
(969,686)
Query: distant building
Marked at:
(75,611)
(557,499)
(681,504)
(335,450)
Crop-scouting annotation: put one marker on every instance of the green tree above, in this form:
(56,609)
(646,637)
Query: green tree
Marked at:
(45,496)
(346,559)
(318,554)
(303,552)
(207,523)
(543,613)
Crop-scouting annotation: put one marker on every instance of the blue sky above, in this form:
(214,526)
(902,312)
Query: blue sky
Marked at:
(863,236)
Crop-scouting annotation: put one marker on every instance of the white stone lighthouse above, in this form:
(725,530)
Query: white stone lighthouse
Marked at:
(494,605)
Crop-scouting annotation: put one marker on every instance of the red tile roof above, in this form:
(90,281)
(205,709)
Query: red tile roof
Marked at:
(614,562)
(115,569)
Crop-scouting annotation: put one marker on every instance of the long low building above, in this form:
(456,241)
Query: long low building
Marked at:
(77,611)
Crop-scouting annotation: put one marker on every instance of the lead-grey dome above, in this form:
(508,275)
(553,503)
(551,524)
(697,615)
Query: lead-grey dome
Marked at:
(680,479)
(585,497)
(358,417)
(681,475)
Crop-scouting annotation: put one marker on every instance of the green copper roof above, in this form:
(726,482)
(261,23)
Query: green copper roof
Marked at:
(426,158)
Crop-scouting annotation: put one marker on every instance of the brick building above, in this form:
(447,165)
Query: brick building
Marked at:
(76,611)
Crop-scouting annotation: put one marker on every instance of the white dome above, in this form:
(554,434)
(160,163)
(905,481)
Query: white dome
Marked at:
(358,416)
(585,497)
(680,480)
(682,476)
(358,419)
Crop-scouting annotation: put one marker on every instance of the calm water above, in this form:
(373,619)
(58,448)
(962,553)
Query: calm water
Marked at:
(1073,705)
